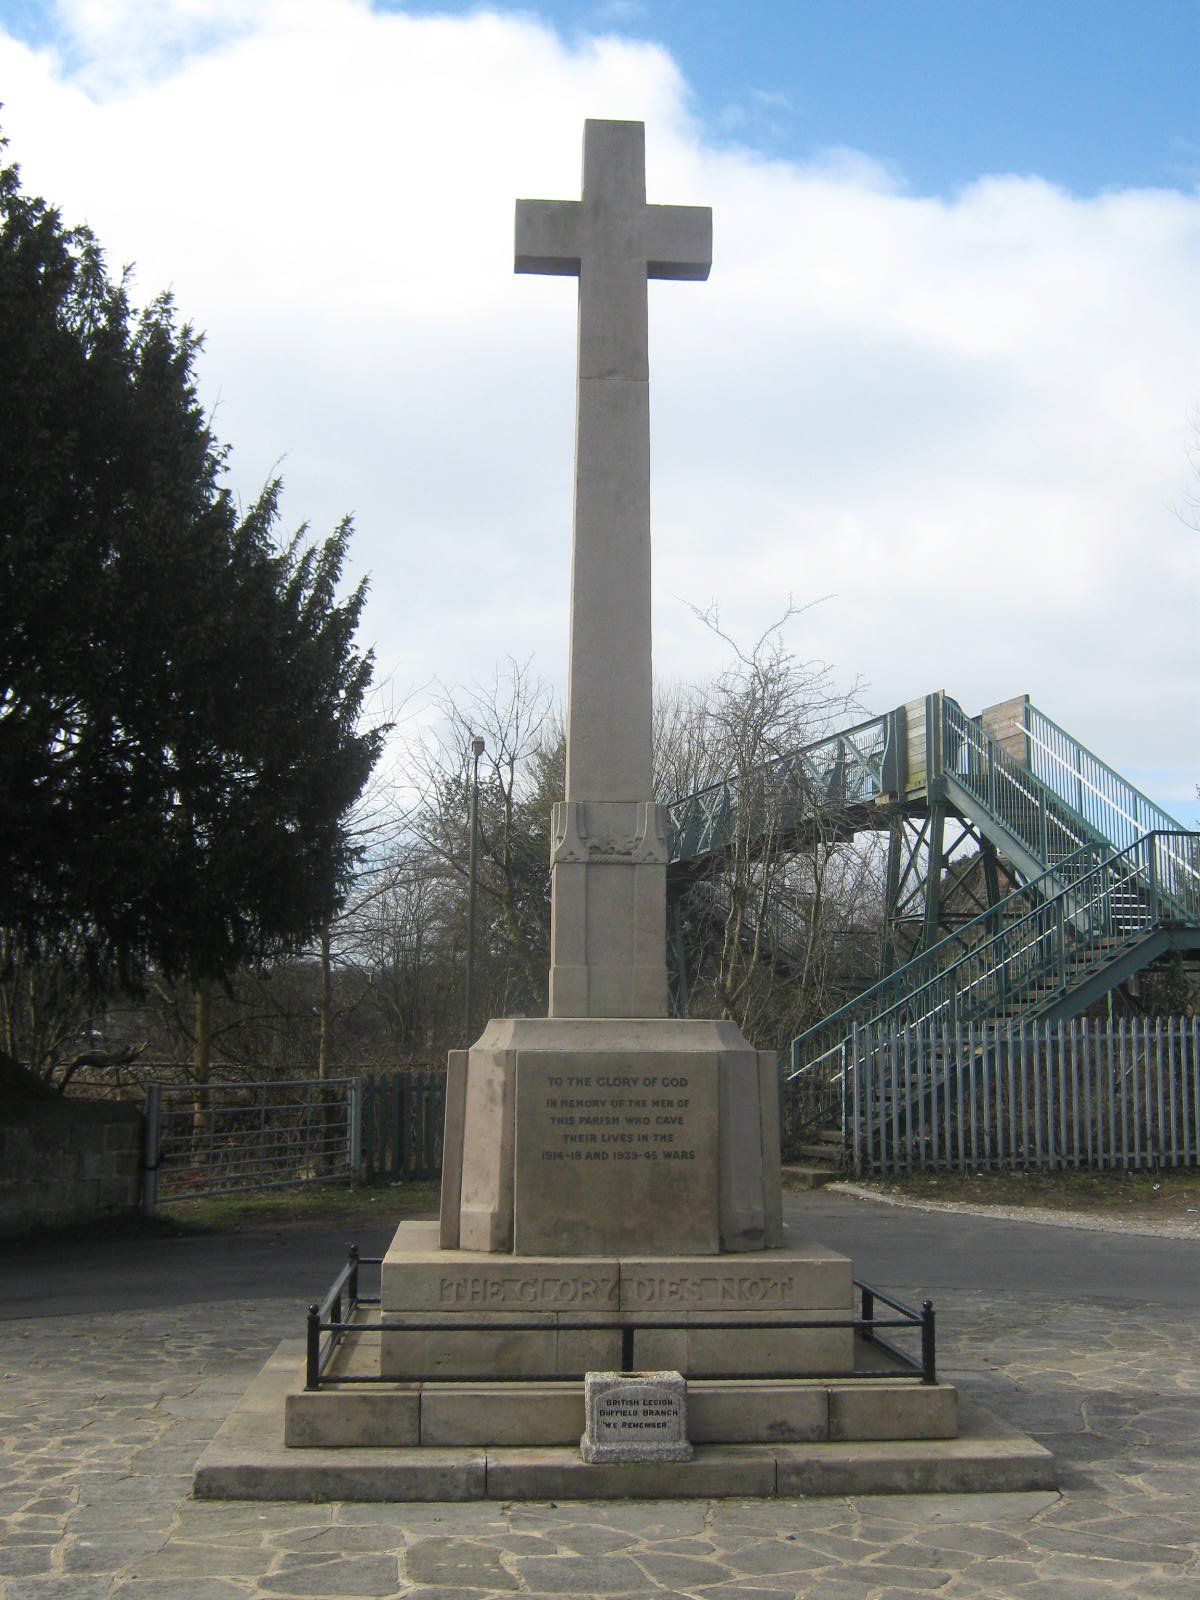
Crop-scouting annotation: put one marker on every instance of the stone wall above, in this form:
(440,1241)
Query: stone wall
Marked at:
(67,1161)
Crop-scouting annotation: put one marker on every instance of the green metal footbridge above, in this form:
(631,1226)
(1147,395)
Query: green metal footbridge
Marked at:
(1081,880)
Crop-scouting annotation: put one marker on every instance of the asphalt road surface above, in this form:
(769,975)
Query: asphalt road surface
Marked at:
(922,1252)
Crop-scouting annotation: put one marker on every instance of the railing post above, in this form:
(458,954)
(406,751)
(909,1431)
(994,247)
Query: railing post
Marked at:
(352,1280)
(868,1312)
(781,1092)
(1043,829)
(354,1118)
(312,1362)
(843,1097)
(1060,923)
(928,1344)
(150,1142)
(856,1127)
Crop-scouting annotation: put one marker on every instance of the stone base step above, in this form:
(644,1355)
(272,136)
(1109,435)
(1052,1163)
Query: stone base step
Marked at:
(720,1410)
(248,1460)
(821,1151)
(800,1175)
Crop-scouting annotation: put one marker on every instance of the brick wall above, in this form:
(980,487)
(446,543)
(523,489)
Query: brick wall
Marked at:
(67,1161)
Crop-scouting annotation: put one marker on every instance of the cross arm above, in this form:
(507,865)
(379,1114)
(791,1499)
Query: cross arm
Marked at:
(678,242)
(548,237)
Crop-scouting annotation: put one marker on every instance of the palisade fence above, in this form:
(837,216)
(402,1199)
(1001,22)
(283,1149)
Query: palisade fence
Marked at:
(402,1117)
(1033,1096)
(228,1138)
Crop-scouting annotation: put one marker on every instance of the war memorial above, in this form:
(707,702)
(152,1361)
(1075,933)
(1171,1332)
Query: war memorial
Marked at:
(610,1304)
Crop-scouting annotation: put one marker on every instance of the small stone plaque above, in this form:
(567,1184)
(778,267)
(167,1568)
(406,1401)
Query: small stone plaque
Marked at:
(635,1416)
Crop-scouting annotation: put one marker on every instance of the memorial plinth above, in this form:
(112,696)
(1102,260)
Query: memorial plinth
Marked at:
(461,1314)
(571,1136)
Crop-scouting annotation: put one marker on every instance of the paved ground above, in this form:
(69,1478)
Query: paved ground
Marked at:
(103,1412)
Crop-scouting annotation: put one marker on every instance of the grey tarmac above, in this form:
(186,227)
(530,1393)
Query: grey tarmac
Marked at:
(103,1413)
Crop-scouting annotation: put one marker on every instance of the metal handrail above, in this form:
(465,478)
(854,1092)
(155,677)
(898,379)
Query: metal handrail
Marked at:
(325,1316)
(1121,812)
(841,769)
(877,1002)
(1053,942)
(1036,817)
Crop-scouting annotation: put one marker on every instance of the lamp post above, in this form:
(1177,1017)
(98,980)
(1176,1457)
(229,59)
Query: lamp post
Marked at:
(477,751)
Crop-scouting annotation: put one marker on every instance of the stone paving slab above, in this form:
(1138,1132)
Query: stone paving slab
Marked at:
(95,1502)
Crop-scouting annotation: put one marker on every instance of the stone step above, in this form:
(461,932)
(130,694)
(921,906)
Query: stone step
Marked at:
(510,1316)
(797,1175)
(720,1411)
(821,1153)
(247,1460)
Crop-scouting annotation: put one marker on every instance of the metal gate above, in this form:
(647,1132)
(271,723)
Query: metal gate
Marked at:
(225,1138)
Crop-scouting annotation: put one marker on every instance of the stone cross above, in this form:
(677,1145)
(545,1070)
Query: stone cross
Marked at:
(609,850)
(612,241)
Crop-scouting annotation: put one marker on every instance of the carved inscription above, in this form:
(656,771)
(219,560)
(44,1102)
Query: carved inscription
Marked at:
(616,1151)
(615,1117)
(637,1416)
(639,1413)
(537,1290)
(709,1289)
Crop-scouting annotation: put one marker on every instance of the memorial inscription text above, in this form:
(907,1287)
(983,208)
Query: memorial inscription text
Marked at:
(639,1413)
(618,1117)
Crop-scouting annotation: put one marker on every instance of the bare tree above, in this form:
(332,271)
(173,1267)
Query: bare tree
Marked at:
(776,921)
(521,775)
(51,1023)
(770,921)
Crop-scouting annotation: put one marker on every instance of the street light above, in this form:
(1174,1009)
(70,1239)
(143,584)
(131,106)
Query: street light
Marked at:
(477,751)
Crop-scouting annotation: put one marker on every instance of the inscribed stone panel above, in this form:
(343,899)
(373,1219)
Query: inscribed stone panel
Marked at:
(616,1151)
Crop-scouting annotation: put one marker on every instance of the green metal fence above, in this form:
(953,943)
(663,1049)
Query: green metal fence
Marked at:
(1030,1097)
(229,1138)
(402,1117)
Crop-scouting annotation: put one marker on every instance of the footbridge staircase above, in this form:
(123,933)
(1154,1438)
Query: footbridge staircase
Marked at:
(1082,881)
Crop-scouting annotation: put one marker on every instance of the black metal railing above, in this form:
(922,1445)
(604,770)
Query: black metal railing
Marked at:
(327,1327)
(325,1317)
(868,1325)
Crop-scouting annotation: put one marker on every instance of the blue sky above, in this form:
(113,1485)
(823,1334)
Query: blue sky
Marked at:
(1089,94)
(943,382)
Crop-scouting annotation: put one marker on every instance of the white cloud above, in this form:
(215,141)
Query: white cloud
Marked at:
(964,419)
(117,46)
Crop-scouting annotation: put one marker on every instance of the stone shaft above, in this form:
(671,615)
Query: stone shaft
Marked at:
(608,924)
